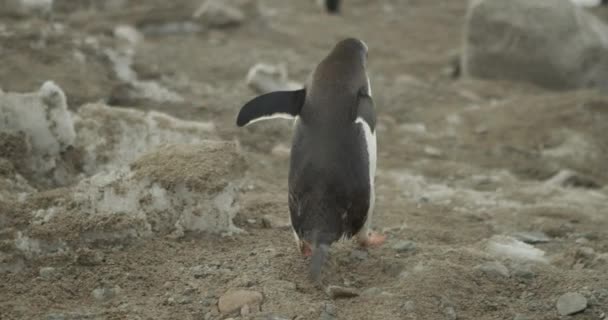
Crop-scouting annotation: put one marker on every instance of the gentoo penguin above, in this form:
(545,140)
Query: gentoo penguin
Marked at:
(332,6)
(333,154)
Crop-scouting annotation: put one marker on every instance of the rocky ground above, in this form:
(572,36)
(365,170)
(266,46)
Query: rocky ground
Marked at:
(141,199)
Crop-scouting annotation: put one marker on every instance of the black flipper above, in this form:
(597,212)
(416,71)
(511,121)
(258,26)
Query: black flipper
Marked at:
(277,104)
(365,110)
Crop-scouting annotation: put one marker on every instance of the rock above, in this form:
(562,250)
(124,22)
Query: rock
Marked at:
(337,292)
(24,8)
(89,258)
(267,316)
(489,51)
(48,273)
(128,33)
(265,78)
(571,303)
(494,269)
(523,272)
(371,292)
(44,120)
(408,306)
(570,178)
(105,294)
(126,134)
(235,300)
(433,152)
(172,190)
(329,312)
(404,246)
(219,14)
(450,313)
(281,151)
(359,255)
(510,248)
(272,222)
(533,237)
(521,317)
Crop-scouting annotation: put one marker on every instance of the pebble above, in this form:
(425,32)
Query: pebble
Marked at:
(270,317)
(359,255)
(371,292)
(218,14)
(404,246)
(408,306)
(521,317)
(104,294)
(571,303)
(281,151)
(450,313)
(330,312)
(48,273)
(433,152)
(337,292)
(532,237)
(523,272)
(264,78)
(235,300)
(89,258)
(493,269)
(272,222)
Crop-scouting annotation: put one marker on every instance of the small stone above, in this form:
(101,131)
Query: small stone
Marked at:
(337,292)
(521,317)
(408,306)
(359,255)
(264,78)
(450,313)
(494,269)
(105,294)
(48,273)
(184,299)
(89,258)
(523,272)
(330,310)
(532,237)
(371,292)
(433,152)
(571,303)
(281,151)
(235,300)
(218,14)
(272,222)
(270,317)
(404,246)
(245,310)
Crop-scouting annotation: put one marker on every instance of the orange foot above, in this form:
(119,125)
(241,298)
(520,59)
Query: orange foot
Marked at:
(373,239)
(305,249)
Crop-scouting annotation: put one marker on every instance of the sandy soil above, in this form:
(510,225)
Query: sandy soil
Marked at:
(461,161)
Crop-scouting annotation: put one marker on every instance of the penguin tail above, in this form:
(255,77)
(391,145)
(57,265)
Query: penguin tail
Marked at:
(319,256)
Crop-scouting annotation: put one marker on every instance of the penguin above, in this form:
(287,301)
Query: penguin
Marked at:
(332,6)
(333,156)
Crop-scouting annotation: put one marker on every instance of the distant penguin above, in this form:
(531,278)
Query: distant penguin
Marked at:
(331,6)
(333,155)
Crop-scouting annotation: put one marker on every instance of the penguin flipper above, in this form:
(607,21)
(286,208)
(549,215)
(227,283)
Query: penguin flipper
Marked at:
(365,111)
(279,104)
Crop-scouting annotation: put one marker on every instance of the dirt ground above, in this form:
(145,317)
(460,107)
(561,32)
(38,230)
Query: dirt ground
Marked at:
(461,162)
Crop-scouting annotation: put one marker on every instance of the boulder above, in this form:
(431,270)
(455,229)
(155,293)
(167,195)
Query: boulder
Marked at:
(553,44)
(36,129)
(113,137)
(171,190)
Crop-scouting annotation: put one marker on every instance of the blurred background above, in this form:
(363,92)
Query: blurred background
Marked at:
(128,192)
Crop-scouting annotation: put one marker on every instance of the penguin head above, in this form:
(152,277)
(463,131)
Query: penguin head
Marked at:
(350,49)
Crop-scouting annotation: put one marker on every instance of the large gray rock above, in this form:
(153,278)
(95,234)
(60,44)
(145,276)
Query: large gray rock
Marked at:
(551,43)
(43,124)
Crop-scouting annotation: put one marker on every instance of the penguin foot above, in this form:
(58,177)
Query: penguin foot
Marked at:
(373,239)
(305,249)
